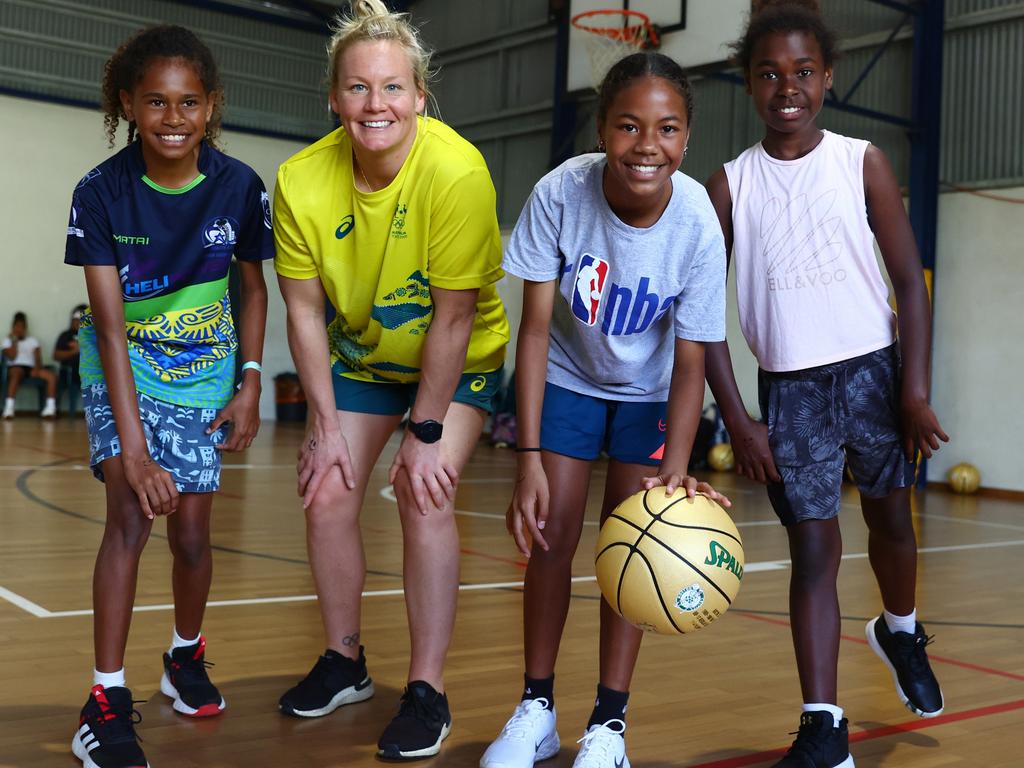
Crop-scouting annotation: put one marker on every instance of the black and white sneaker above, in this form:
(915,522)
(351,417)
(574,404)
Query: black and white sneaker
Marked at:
(106,731)
(186,682)
(334,680)
(422,723)
(819,743)
(905,656)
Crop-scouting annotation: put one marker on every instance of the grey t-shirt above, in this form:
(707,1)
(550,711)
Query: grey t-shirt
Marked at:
(627,292)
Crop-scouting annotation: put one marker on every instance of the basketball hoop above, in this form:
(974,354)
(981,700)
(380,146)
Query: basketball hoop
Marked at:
(612,34)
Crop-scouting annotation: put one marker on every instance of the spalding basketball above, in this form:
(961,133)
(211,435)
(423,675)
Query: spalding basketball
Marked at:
(964,478)
(669,564)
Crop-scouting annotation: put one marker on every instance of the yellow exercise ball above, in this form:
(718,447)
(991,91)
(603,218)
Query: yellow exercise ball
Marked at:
(721,458)
(669,564)
(964,478)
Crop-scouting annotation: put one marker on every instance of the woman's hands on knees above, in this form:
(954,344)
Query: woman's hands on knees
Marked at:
(323,447)
(432,476)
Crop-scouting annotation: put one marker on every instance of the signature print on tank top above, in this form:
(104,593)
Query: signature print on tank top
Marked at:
(799,243)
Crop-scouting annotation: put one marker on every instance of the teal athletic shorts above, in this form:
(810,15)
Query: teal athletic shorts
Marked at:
(388,398)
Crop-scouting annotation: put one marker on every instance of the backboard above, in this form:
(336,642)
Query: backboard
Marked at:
(696,33)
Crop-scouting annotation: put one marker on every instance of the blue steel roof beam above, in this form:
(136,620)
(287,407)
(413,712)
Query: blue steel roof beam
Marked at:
(230,9)
(913,8)
(871,64)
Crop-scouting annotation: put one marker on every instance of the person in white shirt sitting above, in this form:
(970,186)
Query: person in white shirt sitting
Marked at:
(25,361)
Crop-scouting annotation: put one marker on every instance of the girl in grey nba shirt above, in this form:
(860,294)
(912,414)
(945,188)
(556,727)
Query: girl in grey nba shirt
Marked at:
(623,265)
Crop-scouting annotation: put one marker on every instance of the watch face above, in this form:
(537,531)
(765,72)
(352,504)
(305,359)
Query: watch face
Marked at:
(428,431)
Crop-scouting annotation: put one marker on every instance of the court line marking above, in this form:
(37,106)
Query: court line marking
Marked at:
(767,565)
(983,523)
(875,733)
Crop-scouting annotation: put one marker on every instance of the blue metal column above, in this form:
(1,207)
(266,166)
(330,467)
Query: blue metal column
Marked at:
(924,143)
(563,113)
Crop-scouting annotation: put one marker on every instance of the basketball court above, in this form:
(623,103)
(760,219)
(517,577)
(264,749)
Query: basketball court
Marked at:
(720,698)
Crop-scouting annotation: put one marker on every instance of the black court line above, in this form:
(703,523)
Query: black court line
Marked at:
(22,485)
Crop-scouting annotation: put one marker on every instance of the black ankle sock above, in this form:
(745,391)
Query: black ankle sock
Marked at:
(543,688)
(610,705)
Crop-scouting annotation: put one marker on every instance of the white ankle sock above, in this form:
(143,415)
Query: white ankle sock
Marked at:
(837,712)
(109,679)
(901,623)
(51,401)
(177,641)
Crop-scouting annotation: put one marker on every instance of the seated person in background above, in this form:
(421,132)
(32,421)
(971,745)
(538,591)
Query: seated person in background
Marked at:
(66,352)
(25,361)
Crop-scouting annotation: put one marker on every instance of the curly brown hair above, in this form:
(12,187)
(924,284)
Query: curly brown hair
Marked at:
(128,65)
(781,17)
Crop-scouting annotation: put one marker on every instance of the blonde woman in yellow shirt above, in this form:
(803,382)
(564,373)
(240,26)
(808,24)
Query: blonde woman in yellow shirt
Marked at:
(392,216)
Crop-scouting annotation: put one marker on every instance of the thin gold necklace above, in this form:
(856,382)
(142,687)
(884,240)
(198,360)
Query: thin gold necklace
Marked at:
(363,175)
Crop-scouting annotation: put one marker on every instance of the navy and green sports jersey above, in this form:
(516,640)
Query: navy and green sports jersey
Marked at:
(172,249)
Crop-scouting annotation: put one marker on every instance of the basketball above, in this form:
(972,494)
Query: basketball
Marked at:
(720,457)
(669,564)
(964,478)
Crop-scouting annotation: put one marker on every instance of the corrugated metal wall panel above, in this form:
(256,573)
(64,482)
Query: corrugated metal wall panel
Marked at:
(983,114)
(273,75)
(496,84)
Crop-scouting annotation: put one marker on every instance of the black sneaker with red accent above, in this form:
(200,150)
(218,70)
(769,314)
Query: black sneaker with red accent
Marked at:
(185,680)
(106,731)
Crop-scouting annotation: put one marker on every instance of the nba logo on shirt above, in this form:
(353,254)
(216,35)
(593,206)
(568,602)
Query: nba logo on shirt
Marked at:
(586,293)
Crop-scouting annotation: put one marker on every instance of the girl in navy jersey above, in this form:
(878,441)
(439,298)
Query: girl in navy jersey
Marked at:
(156,227)
(800,211)
(624,282)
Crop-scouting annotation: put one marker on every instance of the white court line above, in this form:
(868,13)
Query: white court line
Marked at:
(983,523)
(767,565)
(24,603)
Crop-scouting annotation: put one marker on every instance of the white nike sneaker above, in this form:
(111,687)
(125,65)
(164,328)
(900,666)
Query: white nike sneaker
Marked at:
(528,737)
(603,746)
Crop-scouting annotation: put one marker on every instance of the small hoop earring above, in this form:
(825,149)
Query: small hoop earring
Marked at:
(685,149)
(600,145)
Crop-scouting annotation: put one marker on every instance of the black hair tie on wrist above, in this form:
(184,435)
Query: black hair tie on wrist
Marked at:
(527,450)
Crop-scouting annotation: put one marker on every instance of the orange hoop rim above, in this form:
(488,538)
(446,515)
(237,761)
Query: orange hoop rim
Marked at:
(641,31)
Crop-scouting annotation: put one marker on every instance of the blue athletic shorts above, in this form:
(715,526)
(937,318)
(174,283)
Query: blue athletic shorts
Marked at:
(820,418)
(388,398)
(175,435)
(581,426)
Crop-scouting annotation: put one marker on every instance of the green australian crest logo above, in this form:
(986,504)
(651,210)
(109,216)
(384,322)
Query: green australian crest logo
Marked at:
(398,222)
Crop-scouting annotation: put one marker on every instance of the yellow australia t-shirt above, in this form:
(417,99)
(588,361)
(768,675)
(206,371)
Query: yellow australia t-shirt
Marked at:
(378,254)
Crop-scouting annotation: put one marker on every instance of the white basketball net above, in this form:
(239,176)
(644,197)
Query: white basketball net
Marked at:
(610,36)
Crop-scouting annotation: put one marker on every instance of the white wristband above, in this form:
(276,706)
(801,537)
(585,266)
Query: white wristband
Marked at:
(253,365)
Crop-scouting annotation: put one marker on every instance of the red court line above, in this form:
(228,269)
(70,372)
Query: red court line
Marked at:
(875,733)
(931,657)
(517,563)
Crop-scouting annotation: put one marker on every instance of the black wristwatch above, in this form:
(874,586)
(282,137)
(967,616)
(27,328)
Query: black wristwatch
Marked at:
(426,431)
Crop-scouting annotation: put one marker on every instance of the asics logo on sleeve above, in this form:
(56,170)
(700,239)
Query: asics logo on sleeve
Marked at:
(346,226)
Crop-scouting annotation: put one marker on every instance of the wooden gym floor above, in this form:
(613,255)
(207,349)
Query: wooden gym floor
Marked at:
(723,698)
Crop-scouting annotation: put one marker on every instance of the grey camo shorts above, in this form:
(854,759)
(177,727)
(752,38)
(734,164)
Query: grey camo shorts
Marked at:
(822,418)
(175,435)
